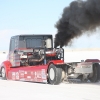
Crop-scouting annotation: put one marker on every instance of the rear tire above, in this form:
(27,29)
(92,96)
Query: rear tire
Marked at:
(54,74)
(3,73)
(96,73)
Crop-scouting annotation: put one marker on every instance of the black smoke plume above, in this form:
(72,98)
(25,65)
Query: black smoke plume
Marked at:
(77,18)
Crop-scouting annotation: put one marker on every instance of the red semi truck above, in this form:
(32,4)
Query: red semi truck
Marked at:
(33,58)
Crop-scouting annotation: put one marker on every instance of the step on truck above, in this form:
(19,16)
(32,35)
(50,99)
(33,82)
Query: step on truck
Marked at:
(33,58)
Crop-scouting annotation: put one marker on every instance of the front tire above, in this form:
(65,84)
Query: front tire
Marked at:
(54,74)
(3,73)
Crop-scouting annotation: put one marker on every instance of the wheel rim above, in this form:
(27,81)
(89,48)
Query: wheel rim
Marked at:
(52,74)
(3,72)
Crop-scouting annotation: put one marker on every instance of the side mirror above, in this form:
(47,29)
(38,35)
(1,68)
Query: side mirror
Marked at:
(15,51)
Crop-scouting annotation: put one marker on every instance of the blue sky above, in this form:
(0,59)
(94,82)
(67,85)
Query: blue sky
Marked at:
(33,17)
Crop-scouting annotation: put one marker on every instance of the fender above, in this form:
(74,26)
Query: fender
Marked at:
(57,62)
(93,60)
(7,65)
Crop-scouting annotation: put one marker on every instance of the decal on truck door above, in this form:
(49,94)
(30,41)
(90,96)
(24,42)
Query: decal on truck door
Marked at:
(13,75)
(43,74)
(21,73)
(17,75)
(37,76)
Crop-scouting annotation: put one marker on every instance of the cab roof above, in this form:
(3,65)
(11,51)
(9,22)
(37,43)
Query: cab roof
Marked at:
(32,35)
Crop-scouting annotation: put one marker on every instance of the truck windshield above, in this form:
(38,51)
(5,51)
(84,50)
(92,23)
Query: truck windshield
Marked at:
(32,42)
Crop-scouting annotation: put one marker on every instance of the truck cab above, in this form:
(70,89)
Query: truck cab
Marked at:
(31,54)
(33,58)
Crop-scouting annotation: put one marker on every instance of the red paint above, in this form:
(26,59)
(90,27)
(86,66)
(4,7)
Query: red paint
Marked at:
(36,73)
(29,73)
(93,60)
(57,62)
(6,65)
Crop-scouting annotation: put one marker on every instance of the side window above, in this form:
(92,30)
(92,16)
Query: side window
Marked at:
(12,44)
(16,43)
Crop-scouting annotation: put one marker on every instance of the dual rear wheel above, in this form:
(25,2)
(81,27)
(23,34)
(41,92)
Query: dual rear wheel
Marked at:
(54,74)
(95,77)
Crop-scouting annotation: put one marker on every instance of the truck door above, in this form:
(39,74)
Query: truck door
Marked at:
(13,57)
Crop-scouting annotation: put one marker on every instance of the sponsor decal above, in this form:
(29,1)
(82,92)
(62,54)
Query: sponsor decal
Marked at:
(22,79)
(32,73)
(43,74)
(21,73)
(35,74)
(17,75)
(25,72)
(38,74)
(45,81)
(29,77)
(13,75)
